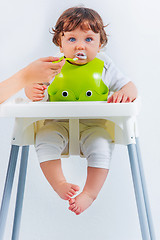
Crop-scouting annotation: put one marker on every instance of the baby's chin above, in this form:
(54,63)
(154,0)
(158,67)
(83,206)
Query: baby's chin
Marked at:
(80,62)
(83,61)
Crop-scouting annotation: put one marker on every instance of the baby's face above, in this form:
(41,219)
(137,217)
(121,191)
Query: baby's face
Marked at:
(81,44)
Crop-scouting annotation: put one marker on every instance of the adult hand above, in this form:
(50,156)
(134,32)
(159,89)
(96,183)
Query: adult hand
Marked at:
(42,70)
(39,71)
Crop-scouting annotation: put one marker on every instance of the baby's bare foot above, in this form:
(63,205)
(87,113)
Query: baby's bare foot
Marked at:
(66,190)
(80,203)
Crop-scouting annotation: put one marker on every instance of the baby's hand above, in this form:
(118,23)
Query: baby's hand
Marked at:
(128,93)
(119,97)
(35,92)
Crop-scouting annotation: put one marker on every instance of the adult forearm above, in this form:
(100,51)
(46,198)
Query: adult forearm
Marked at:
(11,86)
(39,71)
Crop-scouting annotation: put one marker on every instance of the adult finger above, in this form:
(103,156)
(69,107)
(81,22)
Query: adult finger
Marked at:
(54,73)
(49,59)
(55,66)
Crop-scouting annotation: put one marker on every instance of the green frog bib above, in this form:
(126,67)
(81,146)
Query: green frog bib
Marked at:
(79,83)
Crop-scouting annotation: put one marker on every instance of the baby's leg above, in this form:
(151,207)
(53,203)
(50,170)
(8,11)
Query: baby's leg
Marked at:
(97,148)
(51,141)
(95,180)
(54,174)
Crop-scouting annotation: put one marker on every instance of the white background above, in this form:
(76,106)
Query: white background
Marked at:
(134,46)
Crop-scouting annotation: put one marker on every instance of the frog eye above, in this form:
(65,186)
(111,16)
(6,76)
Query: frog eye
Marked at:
(89,93)
(64,93)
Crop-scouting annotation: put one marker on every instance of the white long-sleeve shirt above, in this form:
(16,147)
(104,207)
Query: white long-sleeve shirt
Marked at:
(112,77)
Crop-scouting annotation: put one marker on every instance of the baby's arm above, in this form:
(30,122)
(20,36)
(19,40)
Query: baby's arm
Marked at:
(127,93)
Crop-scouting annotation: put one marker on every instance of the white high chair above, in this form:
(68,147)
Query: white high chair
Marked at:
(123,116)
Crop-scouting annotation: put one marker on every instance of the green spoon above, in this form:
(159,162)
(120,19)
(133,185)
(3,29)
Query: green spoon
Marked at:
(69,59)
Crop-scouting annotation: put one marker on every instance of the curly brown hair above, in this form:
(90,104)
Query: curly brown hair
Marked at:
(85,18)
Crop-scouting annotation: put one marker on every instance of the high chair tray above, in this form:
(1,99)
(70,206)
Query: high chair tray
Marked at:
(21,108)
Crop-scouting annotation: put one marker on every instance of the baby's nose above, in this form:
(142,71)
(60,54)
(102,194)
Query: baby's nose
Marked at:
(80,47)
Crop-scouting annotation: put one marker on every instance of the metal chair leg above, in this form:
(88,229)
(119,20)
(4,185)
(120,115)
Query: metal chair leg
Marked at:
(147,205)
(139,192)
(8,188)
(20,192)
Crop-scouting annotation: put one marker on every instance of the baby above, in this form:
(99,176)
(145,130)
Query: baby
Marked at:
(79,33)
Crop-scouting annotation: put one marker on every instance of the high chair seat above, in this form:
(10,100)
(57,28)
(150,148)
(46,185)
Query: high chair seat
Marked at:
(120,121)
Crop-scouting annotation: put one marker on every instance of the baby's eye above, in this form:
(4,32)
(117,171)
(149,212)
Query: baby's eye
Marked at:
(72,39)
(88,39)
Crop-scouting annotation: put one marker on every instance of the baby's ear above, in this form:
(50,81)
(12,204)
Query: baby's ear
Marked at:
(99,47)
(61,50)
(60,45)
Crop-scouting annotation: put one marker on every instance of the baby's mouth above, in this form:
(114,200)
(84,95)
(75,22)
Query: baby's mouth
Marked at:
(81,55)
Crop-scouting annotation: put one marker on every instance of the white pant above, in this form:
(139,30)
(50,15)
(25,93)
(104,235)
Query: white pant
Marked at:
(95,143)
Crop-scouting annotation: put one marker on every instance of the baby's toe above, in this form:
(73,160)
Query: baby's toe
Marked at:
(78,211)
(74,209)
(72,191)
(72,206)
(67,197)
(70,194)
(71,201)
(75,187)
